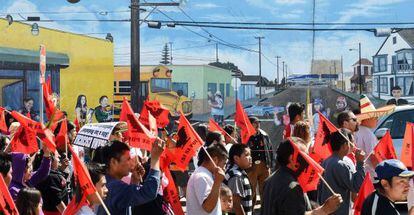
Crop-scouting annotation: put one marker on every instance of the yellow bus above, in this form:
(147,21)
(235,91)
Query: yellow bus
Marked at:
(155,84)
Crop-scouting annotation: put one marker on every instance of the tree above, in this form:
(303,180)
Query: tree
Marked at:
(228,65)
(165,57)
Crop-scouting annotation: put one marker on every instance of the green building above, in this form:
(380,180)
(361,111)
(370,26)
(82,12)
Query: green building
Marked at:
(195,81)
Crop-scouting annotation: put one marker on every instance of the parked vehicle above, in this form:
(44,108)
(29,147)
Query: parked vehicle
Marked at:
(395,123)
(263,109)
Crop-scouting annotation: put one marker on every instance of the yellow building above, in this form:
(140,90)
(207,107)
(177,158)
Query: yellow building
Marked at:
(77,64)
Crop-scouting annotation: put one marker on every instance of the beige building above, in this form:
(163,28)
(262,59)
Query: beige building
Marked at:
(320,67)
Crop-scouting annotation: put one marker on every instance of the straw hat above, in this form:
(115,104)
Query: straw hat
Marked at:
(369,111)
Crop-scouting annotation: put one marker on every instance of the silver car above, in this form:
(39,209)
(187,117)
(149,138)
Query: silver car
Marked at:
(395,123)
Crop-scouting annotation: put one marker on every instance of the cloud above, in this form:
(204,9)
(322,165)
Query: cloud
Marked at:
(206,6)
(290,2)
(366,8)
(294,14)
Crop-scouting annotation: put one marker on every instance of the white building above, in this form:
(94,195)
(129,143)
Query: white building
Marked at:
(393,65)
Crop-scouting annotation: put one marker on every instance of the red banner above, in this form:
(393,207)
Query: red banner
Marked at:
(214,126)
(138,135)
(366,189)
(322,148)
(62,138)
(188,142)
(7,205)
(171,193)
(3,125)
(83,181)
(384,150)
(52,112)
(157,110)
(243,122)
(407,146)
(309,178)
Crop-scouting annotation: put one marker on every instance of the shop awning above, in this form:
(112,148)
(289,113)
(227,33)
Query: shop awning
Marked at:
(32,57)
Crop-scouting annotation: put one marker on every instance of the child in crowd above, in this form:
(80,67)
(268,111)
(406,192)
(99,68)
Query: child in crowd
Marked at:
(23,174)
(237,179)
(29,201)
(226,198)
(97,173)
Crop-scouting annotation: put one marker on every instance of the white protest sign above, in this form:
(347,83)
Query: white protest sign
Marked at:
(93,135)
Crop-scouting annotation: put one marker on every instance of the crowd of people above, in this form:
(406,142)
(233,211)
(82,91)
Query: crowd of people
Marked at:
(225,175)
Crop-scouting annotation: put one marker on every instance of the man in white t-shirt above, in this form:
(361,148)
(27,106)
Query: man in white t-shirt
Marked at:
(203,188)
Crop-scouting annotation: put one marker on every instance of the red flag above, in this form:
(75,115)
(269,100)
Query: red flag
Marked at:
(52,112)
(322,148)
(366,189)
(188,142)
(76,122)
(49,84)
(384,150)
(243,122)
(7,205)
(138,135)
(309,178)
(48,139)
(407,146)
(160,113)
(62,137)
(26,121)
(83,182)
(170,192)
(214,126)
(24,141)
(3,125)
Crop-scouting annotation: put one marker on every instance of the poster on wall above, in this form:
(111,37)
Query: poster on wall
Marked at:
(93,135)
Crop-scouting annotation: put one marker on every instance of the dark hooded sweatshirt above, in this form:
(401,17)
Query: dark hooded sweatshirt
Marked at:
(19,167)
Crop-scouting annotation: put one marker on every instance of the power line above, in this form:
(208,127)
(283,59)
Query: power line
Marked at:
(285,23)
(208,38)
(67,12)
(209,33)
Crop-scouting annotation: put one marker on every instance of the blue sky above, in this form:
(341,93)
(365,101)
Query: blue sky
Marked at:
(294,47)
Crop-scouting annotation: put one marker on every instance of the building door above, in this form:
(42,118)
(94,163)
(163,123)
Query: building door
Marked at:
(391,85)
(12,95)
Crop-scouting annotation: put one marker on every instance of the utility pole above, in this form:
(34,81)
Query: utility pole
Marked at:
(342,73)
(171,52)
(136,97)
(360,70)
(277,60)
(260,66)
(286,70)
(334,69)
(217,59)
(283,72)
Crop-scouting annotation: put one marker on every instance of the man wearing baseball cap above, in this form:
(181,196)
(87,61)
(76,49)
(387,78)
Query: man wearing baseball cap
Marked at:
(392,186)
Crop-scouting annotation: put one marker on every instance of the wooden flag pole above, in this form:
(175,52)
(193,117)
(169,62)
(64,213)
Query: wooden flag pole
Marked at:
(326,183)
(102,203)
(208,155)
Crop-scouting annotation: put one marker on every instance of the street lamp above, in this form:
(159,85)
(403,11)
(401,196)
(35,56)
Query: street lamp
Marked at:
(360,68)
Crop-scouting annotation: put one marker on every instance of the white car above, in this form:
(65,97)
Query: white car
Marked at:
(395,123)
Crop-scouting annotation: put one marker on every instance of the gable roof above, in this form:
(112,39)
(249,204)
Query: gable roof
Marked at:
(408,36)
(364,61)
